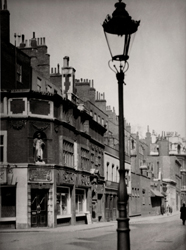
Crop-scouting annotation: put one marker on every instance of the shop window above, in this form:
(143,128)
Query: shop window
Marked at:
(8,202)
(68,153)
(63,201)
(19,73)
(84,159)
(80,201)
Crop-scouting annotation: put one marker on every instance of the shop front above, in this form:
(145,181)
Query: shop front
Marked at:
(40,196)
(7,197)
(111,198)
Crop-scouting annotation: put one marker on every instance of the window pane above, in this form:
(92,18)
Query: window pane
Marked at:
(58,204)
(1,140)
(80,203)
(64,203)
(8,202)
(1,152)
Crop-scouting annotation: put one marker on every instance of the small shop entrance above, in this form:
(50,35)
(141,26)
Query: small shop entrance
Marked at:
(39,198)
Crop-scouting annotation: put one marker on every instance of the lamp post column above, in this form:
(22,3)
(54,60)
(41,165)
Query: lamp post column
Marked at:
(123,238)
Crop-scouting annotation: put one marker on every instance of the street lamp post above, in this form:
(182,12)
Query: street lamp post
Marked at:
(121,25)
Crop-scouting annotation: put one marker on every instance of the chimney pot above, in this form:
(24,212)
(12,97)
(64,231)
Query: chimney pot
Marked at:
(33,34)
(66,61)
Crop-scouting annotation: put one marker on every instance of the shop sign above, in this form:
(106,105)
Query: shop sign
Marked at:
(40,174)
(3,175)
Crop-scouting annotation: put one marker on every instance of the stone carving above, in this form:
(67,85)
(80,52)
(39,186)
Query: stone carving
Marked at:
(41,128)
(84,180)
(67,177)
(18,124)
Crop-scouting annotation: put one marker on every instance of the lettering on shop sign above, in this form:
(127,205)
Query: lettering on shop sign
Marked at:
(40,174)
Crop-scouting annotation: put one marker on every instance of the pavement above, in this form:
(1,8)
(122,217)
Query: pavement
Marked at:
(94,225)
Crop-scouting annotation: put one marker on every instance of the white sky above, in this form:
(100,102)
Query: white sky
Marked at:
(155,93)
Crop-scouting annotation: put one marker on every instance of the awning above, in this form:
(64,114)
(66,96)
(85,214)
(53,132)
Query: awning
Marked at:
(155,193)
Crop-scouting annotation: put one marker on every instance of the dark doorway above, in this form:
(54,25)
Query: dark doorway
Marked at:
(39,199)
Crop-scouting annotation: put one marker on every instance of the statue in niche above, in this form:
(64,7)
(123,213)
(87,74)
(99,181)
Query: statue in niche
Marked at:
(38,147)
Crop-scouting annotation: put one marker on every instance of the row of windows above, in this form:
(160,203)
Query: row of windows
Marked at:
(63,201)
(97,118)
(112,172)
(39,86)
(68,154)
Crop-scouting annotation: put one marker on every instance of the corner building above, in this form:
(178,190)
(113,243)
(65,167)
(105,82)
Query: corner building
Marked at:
(51,144)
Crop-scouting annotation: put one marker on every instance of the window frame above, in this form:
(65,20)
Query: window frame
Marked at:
(1,195)
(84,200)
(68,205)
(18,72)
(68,153)
(4,146)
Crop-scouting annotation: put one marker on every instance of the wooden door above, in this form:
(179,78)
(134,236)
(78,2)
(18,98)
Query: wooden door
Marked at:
(39,199)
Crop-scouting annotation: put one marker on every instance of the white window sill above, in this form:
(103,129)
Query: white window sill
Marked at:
(81,214)
(64,216)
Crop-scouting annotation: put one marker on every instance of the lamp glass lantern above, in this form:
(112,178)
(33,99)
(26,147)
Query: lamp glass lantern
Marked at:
(119,32)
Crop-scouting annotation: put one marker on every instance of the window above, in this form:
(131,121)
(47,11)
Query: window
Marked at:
(84,159)
(99,119)
(80,201)
(107,171)
(8,202)
(112,172)
(1,106)
(68,153)
(117,174)
(3,146)
(49,89)
(38,84)
(103,122)
(63,201)
(92,160)
(95,117)
(19,73)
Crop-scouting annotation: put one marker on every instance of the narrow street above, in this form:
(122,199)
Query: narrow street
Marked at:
(163,233)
